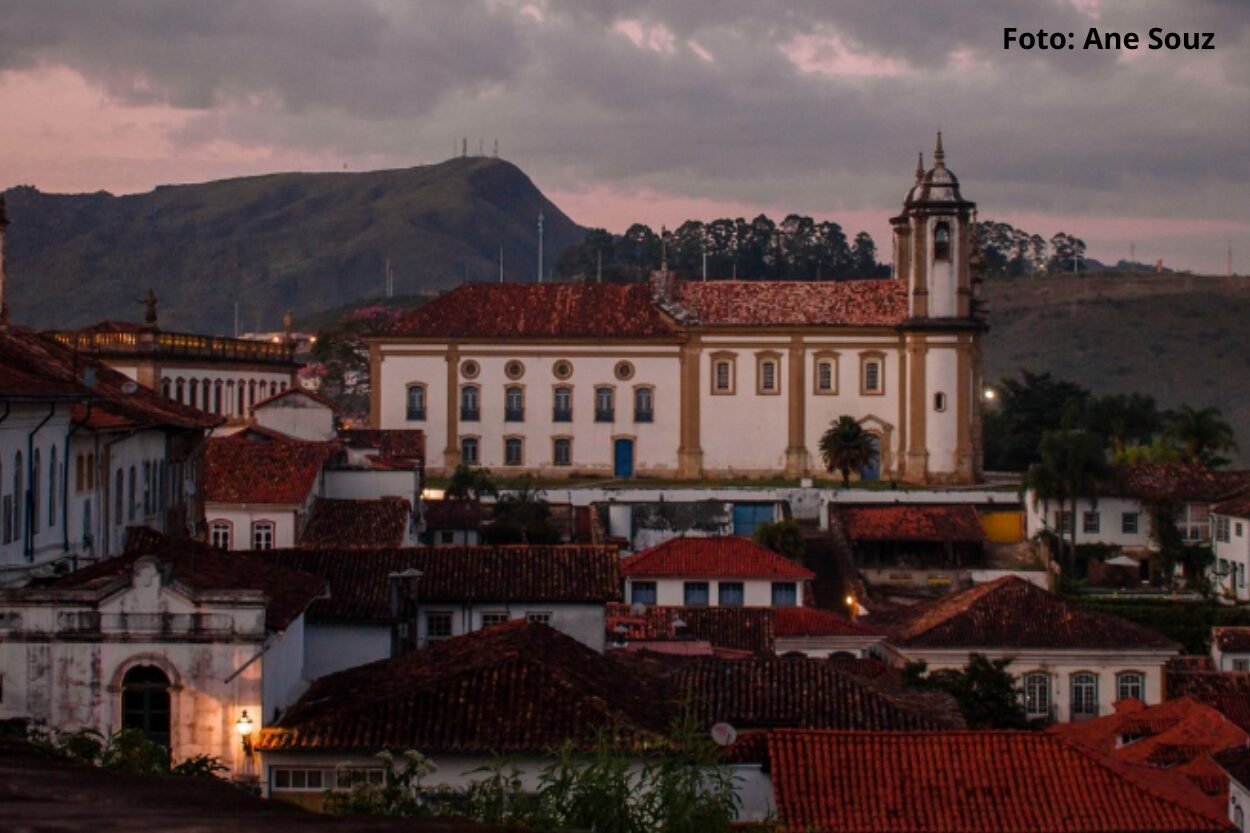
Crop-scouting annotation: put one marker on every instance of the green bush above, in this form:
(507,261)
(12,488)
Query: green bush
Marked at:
(783,537)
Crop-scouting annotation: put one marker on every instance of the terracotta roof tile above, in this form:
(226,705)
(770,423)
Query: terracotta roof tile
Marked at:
(959,524)
(967,782)
(513,688)
(812,621)
(198,566)
(744,628)
(1226,691)
(1181,481)
(454,514)
(796,303)
(716,557)
(360,587)
(1235,640)
(1238,506)
(239,470)
(357,524)
(390,443)
(550,310)
(1011,613)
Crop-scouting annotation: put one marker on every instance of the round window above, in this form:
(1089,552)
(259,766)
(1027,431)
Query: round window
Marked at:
(562,369)
(469,369)
(624,371)
(514,370)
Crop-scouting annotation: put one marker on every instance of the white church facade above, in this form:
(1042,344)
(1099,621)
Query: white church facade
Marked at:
(704,379)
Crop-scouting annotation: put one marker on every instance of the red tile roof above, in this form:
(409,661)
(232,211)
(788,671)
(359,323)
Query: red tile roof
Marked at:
(360,586)
(744,628)
(514,688)
(1226,691)
(357,524)
(1235,640)
(717,557)
(1011,613)
(1237,507)
(454,514)
(812,621)
(808,693)
(390,443)
(550,310)
(958,524)
(967,782)
(867,303)
(239,470)
(1181,481)
(37,367)
(197,566)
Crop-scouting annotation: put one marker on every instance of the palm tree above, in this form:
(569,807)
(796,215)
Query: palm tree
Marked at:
(1202,434)
(1073,465)
(1126,420)
(847,447)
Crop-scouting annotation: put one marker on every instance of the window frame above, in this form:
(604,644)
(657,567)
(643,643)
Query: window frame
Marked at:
(1029,691)
(830,358)
(607,415)
(468,414)
(477,449)
(257,527)
(646,415)
(940,402)
(763,360)
(218,525)
(496,617)
(739,586)
(539,617)
(729,360)
(558,414)
(1125,679)
(1091,522)
(416,414)
(511,414)
(690,587)
(867,359)
(942,246)
(555,453)
(1127,527)
(1083,679)
(635,586)
(439,615)
(793,587)
(514,441)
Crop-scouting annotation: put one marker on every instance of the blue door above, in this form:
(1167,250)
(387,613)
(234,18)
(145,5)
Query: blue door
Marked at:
(747,516)
(624,458)
(872,471)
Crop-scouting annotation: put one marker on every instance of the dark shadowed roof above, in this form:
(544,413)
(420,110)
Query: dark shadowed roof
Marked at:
(958,524)
(715,557)
(742,628)
(1181,482)
(1011,613)
(813,621)
(1235,640)
(360,586)
(968,782)
(1238,506)
(1227,691)
(390,443)
(200,568)
(518,687)
(239,470)
(549,310)
(356,524)
(869,303)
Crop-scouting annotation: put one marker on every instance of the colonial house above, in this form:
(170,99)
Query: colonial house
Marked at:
(85,452)
(973,782)
(1071,664)
(298,414)
(1230,648)
(181,645)
(383,602)
(667,379)
(259,494)
(1230,538)
(719,572)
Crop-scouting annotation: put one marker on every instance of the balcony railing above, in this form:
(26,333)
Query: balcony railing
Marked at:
(416,414)
(514,415)
(562,415)
(470,414)
(604,415)
(644,415)
(180,345)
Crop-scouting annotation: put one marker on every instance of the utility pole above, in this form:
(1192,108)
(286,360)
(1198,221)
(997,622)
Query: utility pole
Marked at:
(1132,254)
(540,245)
(236,319)
(1228,260)
(501,264)
(599,266)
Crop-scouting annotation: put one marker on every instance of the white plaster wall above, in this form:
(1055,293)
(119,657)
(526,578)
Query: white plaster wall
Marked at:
(746,431)
(583,622)
(1236,550)
(134,451)
(359,484)
(1040,515)
(875,412)
(1238,799)
(334,646)
(942,427)
(942,278)
(283,667)
(672,591)
(400,371)
(244,515)
(15,431)
(298,417)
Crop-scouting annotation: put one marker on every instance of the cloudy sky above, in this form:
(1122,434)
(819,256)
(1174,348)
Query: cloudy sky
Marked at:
(628,110)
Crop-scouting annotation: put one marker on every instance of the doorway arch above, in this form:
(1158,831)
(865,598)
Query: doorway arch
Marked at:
(146,703)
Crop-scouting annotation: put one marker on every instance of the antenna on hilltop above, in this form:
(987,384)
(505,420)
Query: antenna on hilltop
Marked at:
(480,142)
(1228,259)
(464,147)
(540,245)
(496,148)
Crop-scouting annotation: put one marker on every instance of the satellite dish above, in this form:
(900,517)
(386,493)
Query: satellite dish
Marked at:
(724,734)
(129,388)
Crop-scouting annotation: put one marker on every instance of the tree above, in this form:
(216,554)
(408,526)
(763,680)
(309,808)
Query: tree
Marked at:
(1202,435)
(1025,409)
(1123,419)
(471,483)
(1073,464)
(864,256)
(783,537)
(985,690)
(847,447)
(522,516)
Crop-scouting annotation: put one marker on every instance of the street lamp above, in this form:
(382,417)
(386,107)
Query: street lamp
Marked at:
(244,727)
(850,603)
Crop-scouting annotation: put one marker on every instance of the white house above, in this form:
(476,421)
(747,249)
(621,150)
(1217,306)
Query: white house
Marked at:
(1230,648)
(383,602)
(1230,538)
(1071,664)
(668,379)
(298,414)
(176,643)
(724,571)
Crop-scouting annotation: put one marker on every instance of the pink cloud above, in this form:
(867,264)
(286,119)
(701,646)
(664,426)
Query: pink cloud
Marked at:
(830,54)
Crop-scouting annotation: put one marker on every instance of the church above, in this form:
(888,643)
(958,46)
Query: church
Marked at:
(705,379)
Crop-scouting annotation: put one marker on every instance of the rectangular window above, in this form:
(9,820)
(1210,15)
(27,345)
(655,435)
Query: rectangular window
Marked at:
(219,535)
(730,594)
(416,403)
(644,403)
(1131,684)
(1237,529)
(642,592)
(536,617)
(604,411)
(513,451)
(1128,523)
(349,777)
(562,405)
(514,405)
(1063,522)
(695,594)
(562,451)
(437,625)
(1037,695)
(468,451)
(447,536)
(287,778)
(1084,695)
(1222,529)
(826,378)
(470,404)
(723,375)
(1090,523)
(872,374)
(490,620)
(785,594)
(262,536)
(766,380)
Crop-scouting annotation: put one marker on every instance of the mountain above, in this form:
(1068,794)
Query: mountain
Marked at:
(295,241)
(1179,338)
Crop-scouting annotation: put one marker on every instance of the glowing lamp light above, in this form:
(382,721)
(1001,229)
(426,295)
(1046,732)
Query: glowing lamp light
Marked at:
(989,394)
(244,727)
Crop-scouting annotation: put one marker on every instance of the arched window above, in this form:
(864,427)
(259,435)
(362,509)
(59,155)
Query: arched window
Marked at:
(238,397)
(1084,695)
(193,390)
(1131,684)
(145,703)
(131,494)
(282,388)
(251,394)
(1239,818)
(562,404)
(514,404)
(416,402)
(80,473)
(166,387)
(217,397)
(273,388)
(206,400)
(942,241)
(147,487)
(34,492)
(52,492)
(644,404)
(1036,694)
(470,403)
(119,498)
(180,390)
